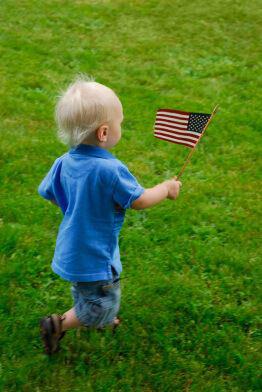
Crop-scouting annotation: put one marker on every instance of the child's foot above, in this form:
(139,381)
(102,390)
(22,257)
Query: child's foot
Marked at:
(116,323)
(51,332)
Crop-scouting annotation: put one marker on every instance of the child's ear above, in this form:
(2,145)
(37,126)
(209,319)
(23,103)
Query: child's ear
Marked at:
(102,133)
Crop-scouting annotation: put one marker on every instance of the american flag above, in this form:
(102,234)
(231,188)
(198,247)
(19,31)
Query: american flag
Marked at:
(180,127)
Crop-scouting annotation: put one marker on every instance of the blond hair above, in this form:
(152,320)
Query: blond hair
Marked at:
(82,108)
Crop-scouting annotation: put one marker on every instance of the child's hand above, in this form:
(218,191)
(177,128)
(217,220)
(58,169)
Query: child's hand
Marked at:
(173,187)
(152,196)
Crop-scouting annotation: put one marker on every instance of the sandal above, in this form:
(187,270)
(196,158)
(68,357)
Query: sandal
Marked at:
(51,332)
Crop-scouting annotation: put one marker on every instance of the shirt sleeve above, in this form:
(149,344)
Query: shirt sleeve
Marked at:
(126,188)
(45,189)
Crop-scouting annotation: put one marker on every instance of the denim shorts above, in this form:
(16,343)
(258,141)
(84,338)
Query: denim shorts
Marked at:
(96,304)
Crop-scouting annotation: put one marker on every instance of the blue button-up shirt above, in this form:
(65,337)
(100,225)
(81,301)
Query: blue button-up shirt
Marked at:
(93,190)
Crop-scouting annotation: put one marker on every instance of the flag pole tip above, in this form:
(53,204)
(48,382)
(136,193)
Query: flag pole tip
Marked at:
(216,109)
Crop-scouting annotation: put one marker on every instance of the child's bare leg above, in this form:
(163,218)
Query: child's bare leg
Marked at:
(70,320)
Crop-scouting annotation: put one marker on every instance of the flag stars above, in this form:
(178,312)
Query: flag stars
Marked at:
(197,122)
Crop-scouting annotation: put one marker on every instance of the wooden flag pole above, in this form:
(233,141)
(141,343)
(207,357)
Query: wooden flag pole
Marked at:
(193,149)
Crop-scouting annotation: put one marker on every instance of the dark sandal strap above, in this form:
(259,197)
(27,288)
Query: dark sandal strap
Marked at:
(46,333)
(51,332)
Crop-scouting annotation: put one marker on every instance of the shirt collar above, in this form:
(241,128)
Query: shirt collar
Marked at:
(90,150)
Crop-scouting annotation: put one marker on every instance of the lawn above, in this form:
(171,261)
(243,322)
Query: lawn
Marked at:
(190,287)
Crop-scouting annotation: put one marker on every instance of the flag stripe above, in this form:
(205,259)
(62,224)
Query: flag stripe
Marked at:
(177,130)
(178,137)
(173,111)
(175,141)
(170,126)
(171,119)
(184,137)
(171,115)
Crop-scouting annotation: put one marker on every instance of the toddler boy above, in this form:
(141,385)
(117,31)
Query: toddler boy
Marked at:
(93,190)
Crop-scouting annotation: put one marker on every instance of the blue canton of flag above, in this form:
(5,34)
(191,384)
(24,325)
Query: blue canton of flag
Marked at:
(197,122)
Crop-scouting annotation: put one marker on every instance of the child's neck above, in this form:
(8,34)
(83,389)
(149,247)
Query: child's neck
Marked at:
(96,144)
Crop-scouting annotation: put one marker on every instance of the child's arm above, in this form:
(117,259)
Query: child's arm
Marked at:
(152,196)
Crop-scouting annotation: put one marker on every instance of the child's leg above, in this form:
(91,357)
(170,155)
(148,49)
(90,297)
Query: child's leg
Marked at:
(70,320)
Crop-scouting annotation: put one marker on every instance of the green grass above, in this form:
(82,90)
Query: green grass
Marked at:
(190,300)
